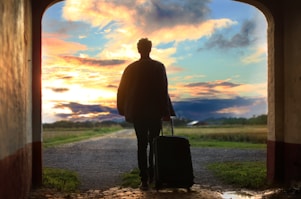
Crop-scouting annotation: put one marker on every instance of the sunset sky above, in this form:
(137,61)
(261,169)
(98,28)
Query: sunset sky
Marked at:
(215,54)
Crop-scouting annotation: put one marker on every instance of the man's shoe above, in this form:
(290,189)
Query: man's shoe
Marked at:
(144,186)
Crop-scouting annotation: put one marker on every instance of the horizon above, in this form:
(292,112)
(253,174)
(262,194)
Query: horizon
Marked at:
(211,120)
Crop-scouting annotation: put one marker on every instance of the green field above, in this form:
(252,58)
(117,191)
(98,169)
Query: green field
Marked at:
(238,136)
(60,179)
(250,175)
(243,136)
(54,137)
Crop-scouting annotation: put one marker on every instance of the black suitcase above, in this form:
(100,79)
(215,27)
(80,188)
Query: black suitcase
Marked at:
(173,165)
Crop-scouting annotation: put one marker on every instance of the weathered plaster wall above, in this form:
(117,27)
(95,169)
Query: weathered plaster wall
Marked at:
(15,100)
(292,72)
(284,81)
(292,90)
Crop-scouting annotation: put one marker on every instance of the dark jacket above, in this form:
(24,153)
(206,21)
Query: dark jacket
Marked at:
(143,91)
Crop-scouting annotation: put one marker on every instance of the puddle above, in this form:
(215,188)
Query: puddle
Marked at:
(267,194)
(239,195)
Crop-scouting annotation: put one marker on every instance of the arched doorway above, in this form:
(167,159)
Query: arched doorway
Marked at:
(38,11)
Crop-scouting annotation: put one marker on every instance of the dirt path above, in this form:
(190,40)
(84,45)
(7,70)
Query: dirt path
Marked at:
(100,161)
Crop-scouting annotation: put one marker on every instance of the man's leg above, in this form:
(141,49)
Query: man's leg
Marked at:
(142,141)
(154,131)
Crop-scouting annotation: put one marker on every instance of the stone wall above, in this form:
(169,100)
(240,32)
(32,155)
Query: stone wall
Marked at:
(15,100)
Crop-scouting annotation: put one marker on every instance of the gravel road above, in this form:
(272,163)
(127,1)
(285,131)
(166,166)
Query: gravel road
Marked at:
(100,162)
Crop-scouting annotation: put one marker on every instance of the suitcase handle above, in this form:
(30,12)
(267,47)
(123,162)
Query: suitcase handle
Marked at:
(171,125)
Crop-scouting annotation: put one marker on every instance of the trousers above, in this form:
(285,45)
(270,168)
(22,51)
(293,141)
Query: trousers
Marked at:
(146,131)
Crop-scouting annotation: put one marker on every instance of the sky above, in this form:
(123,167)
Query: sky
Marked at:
(214,51)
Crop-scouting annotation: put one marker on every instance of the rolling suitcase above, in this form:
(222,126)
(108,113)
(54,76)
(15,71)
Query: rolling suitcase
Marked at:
(173,165)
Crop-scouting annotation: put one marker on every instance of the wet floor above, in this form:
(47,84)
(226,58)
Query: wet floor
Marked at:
(267,194)
(196,192)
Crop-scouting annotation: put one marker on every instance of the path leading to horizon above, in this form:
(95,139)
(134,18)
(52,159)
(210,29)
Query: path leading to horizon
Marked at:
(100,162)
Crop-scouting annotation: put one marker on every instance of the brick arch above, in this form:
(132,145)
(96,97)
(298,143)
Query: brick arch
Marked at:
(275,80)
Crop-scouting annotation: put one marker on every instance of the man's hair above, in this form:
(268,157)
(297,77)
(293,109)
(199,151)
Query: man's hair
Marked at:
(144,45)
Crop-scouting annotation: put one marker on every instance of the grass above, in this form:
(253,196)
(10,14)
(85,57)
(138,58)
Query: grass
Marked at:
(63,136)
(131,179)
(244,136)
(60,180)
(225,136)
(225,144)
(251,175)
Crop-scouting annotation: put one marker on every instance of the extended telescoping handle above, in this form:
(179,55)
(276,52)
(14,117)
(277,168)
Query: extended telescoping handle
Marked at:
(171,126)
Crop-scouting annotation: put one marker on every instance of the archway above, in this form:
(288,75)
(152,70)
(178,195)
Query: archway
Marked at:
(37,87)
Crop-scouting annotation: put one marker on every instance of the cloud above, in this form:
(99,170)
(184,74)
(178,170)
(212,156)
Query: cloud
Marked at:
(201,109)
(88,75)
(220,89)
(112,86)
(122,45)
(65,27)
(213,84)
(161,21)
(214,89)
(194,109)
(156,14)
(54,44)
(250,36)
(149,15)
(83,112)
(259,103)
(260,49)
(260,54)
(78,108)
(92,62)
(59,90)
(66,77)
(235,110)
(244,38)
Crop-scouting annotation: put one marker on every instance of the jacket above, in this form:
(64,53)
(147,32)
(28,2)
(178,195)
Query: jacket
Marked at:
(143,91)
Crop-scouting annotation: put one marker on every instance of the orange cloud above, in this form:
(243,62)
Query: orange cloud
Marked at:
(237,110)
(240,110)
(52,45)
(220,89)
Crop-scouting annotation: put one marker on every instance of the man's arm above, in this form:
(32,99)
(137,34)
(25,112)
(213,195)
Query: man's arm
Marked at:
(166,106)
(121,94)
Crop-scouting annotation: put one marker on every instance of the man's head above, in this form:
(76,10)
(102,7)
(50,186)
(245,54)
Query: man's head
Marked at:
(144,46)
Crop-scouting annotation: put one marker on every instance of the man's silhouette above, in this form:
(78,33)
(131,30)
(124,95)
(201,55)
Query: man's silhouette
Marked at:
(143,99)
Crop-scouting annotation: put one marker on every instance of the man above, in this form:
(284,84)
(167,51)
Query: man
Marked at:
(144,101)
